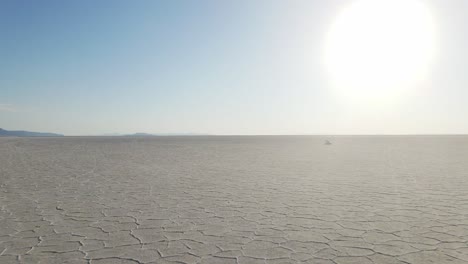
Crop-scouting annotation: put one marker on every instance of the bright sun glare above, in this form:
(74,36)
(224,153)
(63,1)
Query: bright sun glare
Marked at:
(377,49)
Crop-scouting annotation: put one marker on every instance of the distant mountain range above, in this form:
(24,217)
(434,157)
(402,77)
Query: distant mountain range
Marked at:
(21,133)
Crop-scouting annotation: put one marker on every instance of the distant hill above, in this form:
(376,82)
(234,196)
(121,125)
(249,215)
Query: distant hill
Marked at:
(139,135)
(20,133)
(163,134)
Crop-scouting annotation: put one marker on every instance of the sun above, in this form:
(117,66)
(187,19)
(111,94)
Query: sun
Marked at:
(377,49)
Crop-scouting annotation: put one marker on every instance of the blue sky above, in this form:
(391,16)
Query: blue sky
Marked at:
(218,67)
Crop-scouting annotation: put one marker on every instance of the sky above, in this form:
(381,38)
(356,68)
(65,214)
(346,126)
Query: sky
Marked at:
(214,67)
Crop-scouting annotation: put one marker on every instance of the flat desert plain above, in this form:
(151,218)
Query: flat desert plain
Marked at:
(253,199)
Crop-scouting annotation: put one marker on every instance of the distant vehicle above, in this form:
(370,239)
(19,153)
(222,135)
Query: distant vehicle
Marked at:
(327,142)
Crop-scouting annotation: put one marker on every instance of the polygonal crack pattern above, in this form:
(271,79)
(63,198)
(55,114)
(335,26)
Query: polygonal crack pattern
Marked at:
(236,200)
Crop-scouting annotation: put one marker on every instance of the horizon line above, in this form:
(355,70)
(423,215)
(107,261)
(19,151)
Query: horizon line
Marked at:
(257,135)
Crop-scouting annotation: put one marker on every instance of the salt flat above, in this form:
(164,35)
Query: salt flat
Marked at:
(234,200)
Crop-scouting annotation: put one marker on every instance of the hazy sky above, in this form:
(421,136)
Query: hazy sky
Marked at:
(218,67)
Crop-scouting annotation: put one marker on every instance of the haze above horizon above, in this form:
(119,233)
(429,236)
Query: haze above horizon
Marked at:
(234,67)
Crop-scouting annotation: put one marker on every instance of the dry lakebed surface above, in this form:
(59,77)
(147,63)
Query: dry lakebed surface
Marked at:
(233,199)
